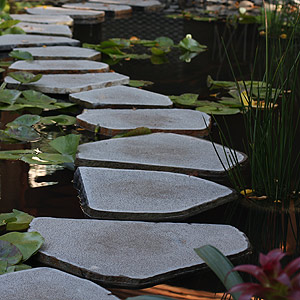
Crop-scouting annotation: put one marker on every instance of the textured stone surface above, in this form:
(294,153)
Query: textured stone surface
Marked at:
(44,29)
(114,121)
(130,254)
(59,66)
(50,19)
(160,152)
(71,83)
(149,5)
(10,41)
(48,283)
(117,10)
(120,97)
(62,52)
(79,16)
(146,195)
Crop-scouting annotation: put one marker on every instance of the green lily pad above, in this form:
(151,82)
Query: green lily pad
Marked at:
(37,97)
(134,132)
(14,154)
(159,59)
(47,159)
(191,45)
(8,23)
(185,99)
(17,220)
(3,266)
(10,253)
(60,120)
(22,133)
(25,77)
(218,110)
(22,55)
(157,51)
(27,242)
(25,120)
(14,30)
(139,83)
(9,96)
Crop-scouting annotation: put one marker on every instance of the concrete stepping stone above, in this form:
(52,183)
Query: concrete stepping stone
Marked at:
(11,41)
(71,83)
(62,52)
(79,16)
(45,29)
(110,122)
(131,254)
(117,10)
(48,283)
(59,66)
(159,152)
(148,5)
(121,97)
(50,19)
(146,195)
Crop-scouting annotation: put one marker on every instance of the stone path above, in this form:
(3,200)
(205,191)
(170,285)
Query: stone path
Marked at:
(121,97)
(11,41)
(62,52)
(117,10)
(71,83)
(110,122)
(146,195)
(45,29)
(51,19)
(159,152)
(48,283)
(59,66)
(131,254)
(79,16)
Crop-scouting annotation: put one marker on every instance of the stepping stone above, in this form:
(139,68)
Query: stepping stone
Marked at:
(146,195)
(71,83)
(148,5)
(131,254)
(79,16)
(159,152)
(62,52)
(121,97)
(48,283)
(11,41)
(59,66)
(50,19)
(45,29)
(117,10)
(110,122)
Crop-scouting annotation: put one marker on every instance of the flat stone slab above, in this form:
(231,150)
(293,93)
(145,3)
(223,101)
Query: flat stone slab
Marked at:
(59,66)
(50,19)
(131,254)
(45,29)
(159,152)
(110,122)
(117,10)
(79,16)
(149,5)
(11,41)
(121,97)
(62,52)
(71,83)
(146,195)
(48,283)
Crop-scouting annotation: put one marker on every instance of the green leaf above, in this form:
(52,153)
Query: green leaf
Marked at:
(159,59)
(221,266)
(3,266)
(189,44)
(9,96)
(8,24)
(2,4)
(23,55)
(134,132)
(14,30)
(10,253)
(139,83)
(14,154)
(164,42)
(21,267)
(17,220)
(47,159)
(27,242)
(22,133)
(25,120)
(24,77)
(188,56)
(214,84)
(66,145)
(185,99)
(60,120)
(157,51)
(218,110)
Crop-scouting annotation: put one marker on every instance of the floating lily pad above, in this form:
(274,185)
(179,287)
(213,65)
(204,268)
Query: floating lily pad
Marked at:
(185,99)
(139,83)
(189,44)
(25,77)
(17,220)
(134,132)
(9,96)
(23,55)
(218,110)
(25,120)
(59,120)
(9,253)
(14,154)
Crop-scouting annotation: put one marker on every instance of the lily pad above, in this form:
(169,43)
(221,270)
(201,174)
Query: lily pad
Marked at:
(34,96)
(25,120)
(218,109)
(14,154)
(191,45)
(27,242)
(25,77)
(59,120)
(22,133)
(139,83)
(8,24)
(22,55)
(185,99)
(17,220)
(9,96)
(47,159)
(10,253)
(134,132)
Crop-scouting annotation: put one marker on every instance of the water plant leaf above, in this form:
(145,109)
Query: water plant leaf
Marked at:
(185,99)
(3,266)
(16,220)
(34,96)
(215,84)
(191,45)
(9,96)
(221,266)
(22,133)
(25,77)
(159,59)
(188,56)
(22,55)
(139,83)
(9,253)
(25,120)
(47,159)
(157,51)
(59,120)
(2,5)
(134,132)
(217,110)
(27,242)
(8,23)
(21,267)
(14,154)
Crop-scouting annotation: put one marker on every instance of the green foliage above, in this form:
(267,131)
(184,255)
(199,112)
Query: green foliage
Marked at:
(22,55)
(16,220)
(139,83)
(134,132)
(25,77)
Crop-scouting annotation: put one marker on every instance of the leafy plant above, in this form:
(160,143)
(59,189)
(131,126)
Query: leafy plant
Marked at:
(16,220)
